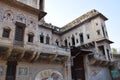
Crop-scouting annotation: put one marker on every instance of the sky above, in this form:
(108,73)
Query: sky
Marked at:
(61,12)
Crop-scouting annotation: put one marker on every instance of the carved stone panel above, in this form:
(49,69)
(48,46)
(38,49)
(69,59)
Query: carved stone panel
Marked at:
(23,71)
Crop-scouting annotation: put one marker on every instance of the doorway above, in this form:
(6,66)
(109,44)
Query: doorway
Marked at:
(78,72)
(11,70)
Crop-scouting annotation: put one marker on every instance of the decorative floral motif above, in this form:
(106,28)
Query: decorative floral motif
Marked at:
(21,18)
(49,75)
(8,15)
(31,23)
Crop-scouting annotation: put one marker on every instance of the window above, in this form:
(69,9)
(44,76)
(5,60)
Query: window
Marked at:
(77,41)
(102,50)
(73,40)
(47,39)
(57,42)
(81,38)
(65,42)
(6,33)
(19,33)
(69,44)
(108,53)
(42,38)
(103,31)
(30,37)
(98,32)
(88,36)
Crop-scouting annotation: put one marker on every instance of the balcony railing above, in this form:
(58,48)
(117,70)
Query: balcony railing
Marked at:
(53,49)
(38,47)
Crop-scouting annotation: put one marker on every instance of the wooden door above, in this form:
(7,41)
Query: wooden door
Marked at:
(78,72)
(11,70)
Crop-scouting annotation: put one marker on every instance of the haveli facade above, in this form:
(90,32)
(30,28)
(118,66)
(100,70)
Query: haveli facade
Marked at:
(31,49)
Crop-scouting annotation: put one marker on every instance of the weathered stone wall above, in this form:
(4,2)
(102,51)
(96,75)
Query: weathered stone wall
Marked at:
(33,3)
(29,71)
(99,73)
(93,72)
(3,67)
(10,15)
(89,28)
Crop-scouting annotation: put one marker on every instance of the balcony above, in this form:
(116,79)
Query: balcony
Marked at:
(31,52)
(43,48)
(99,60)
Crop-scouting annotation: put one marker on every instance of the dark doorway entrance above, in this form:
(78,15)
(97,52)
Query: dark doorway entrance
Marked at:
(78,72)
(73,41)
(77,68)
(11,70)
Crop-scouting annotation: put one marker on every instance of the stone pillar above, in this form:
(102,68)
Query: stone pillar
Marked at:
(41,5)
(106,54)
(96,47)
(64,71)
(69,76)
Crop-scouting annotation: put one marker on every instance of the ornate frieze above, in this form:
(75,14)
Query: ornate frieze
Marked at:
(11,15)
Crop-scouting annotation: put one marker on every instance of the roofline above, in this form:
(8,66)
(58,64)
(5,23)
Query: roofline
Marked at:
(107,40)
(88,16)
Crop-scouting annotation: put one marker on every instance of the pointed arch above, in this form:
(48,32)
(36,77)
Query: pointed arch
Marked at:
(47,39)
(73,40)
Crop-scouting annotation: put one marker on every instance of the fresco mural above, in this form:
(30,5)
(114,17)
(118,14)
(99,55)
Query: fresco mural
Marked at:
(49,75)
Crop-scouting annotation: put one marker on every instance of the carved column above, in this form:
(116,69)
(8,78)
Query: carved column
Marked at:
(106,54)
(64,70)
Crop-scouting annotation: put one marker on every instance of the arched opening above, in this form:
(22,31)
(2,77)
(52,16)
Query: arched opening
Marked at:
(6,32)
(49,75)
(73,40)
(66,43)
(30,37)
(47,39)
(57,42)
(41,38)
(81,38)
